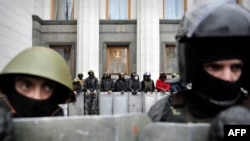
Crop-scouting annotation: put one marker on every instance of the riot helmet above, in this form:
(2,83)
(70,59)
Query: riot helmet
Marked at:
(147,76)
(40,62)
(80,75)
(76,81)
(91,73)
(211,31)
(132,75)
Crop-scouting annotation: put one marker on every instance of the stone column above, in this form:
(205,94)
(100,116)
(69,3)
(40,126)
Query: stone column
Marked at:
(246,3)
(148,46)
(88,36)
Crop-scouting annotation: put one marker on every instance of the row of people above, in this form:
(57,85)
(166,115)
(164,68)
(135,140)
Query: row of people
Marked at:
(213,57)
(132,84)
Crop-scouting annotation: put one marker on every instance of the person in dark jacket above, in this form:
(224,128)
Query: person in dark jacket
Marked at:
(147,84)
(121,83)
(107,84)
(31,90)
(235,115)
(77,87)
(134,84)
(91,95)
(212,57)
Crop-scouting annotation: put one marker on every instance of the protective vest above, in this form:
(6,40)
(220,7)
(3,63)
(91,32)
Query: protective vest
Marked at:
(148,85)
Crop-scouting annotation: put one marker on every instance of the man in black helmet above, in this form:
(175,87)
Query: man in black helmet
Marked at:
(212,56)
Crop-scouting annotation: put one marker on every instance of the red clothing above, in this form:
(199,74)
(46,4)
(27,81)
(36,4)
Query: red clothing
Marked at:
(162,85)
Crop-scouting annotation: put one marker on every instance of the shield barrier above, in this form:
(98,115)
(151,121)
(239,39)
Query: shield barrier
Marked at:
(149,101)
(65,109)
(120,102)
(136,103)
(160,95)
(175,132)
(77,108)
(91,104)
(106,103)
(80,128)
(126,103)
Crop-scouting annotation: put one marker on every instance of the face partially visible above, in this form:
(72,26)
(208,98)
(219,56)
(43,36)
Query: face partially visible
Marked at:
(34,87)
(228,70)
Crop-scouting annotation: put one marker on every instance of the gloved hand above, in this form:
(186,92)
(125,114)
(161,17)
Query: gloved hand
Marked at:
(109,92)
(95,92)
(134,93)
(88,92)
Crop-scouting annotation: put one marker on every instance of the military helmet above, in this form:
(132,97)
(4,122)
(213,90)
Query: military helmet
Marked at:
(90,72)
(41,62)
(75,80)
(210,31)
(80,74)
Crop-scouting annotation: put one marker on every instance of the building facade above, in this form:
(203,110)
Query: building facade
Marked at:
(99,35)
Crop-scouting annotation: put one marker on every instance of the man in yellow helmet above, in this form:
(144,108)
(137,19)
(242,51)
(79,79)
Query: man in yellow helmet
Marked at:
(35,81)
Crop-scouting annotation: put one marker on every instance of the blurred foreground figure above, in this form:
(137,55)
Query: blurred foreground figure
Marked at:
(236,115)
(212,56)
(34,82)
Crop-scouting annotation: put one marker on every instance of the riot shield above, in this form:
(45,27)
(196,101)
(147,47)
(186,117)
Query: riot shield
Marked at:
(77,108)
(91,104)
(149,100)
(160,95)
(175,132)
(65,109)
(105,103)
(80,128)
(136,103)
(120,103)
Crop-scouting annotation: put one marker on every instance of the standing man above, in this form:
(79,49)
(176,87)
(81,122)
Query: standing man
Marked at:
(212,56)
(121,83)
(147,84)
(91,95)
(107,84)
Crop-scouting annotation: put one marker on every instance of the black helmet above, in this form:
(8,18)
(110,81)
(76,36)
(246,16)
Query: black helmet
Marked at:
(216,30)
(91,72)
(211,31)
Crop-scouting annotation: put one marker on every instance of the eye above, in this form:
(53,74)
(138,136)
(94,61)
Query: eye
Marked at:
(24,85)
(49,87)
(236,67)
(212,67)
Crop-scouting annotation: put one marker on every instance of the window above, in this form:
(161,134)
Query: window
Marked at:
(62,9)
(174,9)
(118,9)
(171,65)
(117,59)
(239,2)
(66,53)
